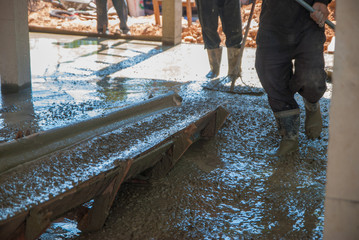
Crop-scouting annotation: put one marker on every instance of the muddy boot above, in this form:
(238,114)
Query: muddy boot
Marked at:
(313,120)
(288,127)
(234,64)
(214,57)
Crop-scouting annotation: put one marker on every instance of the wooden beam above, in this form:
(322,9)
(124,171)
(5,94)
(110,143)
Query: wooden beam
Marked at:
(98,214)
(189,12)
(156,9)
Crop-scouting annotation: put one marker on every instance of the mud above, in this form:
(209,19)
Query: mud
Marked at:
(224,188)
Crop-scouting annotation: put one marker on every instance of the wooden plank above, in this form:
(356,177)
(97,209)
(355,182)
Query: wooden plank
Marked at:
(93,34)
(41,215)
(189,4)
(215,124)
(156,10)
(210,130)
(189,12)
(99,212)
(221,116)
(162,167)
(148,160)
(183,142)
(13,227)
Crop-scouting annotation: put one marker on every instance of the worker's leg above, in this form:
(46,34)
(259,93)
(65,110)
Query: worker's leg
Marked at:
(122,12)
(309,79)
(102,21)
(230,14)
(274,69)
(208,17)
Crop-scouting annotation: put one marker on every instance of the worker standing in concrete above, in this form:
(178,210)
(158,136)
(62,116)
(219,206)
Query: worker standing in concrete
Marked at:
(289,32)
(229,12)
(102,20)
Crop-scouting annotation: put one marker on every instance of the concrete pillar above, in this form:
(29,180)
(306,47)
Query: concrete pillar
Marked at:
(171,22)
(342,190)
(14,46)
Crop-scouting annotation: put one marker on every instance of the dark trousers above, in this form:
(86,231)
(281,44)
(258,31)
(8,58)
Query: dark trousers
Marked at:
(102,20)
(274,64)
(230,13)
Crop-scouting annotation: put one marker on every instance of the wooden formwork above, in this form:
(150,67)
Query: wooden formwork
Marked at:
(93,34)
(102,188)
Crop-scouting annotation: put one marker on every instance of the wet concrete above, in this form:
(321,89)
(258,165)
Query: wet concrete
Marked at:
(72,80)
(229,187)
(224,188)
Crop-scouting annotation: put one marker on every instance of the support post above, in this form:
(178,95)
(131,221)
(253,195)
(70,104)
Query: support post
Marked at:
(14,46)
(342,190)
(171,22)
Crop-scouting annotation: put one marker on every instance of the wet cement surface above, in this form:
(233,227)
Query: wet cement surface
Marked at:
(72,80)
(228,187)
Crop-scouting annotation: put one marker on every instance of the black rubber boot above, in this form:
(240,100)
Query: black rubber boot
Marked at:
(313,120)
(288,127)
(214,57)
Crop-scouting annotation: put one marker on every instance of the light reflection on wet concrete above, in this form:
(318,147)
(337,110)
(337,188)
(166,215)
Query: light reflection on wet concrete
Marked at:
(224,188)
(73,79)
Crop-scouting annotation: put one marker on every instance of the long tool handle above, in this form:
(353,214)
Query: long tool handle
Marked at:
(244,43)
(310,9)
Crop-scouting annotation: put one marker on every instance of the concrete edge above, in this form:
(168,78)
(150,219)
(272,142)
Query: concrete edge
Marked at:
(42,143)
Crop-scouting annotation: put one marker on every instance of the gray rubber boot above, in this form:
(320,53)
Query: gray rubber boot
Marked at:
(313,120)
(288,127)
(234,64)
(214,57)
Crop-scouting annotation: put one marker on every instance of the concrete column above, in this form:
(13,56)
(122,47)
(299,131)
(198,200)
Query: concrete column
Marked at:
(342,190)
(171,22)
(14,46)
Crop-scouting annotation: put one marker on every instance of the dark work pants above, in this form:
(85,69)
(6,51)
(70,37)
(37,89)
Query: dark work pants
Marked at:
(230,13)
(274,64)
(102,20)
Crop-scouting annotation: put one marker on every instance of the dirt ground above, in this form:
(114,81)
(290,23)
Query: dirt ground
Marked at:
(39,15)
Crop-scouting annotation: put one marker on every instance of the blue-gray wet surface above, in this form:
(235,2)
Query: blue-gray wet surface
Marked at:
(228,187)
(71,81)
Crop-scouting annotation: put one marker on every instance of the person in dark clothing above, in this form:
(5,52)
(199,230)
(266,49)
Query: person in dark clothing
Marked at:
(288,32)
(229,12)
(102,20)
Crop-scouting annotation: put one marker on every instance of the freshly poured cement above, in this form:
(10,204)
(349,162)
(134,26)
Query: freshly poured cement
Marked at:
(62,170)
(228,187)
